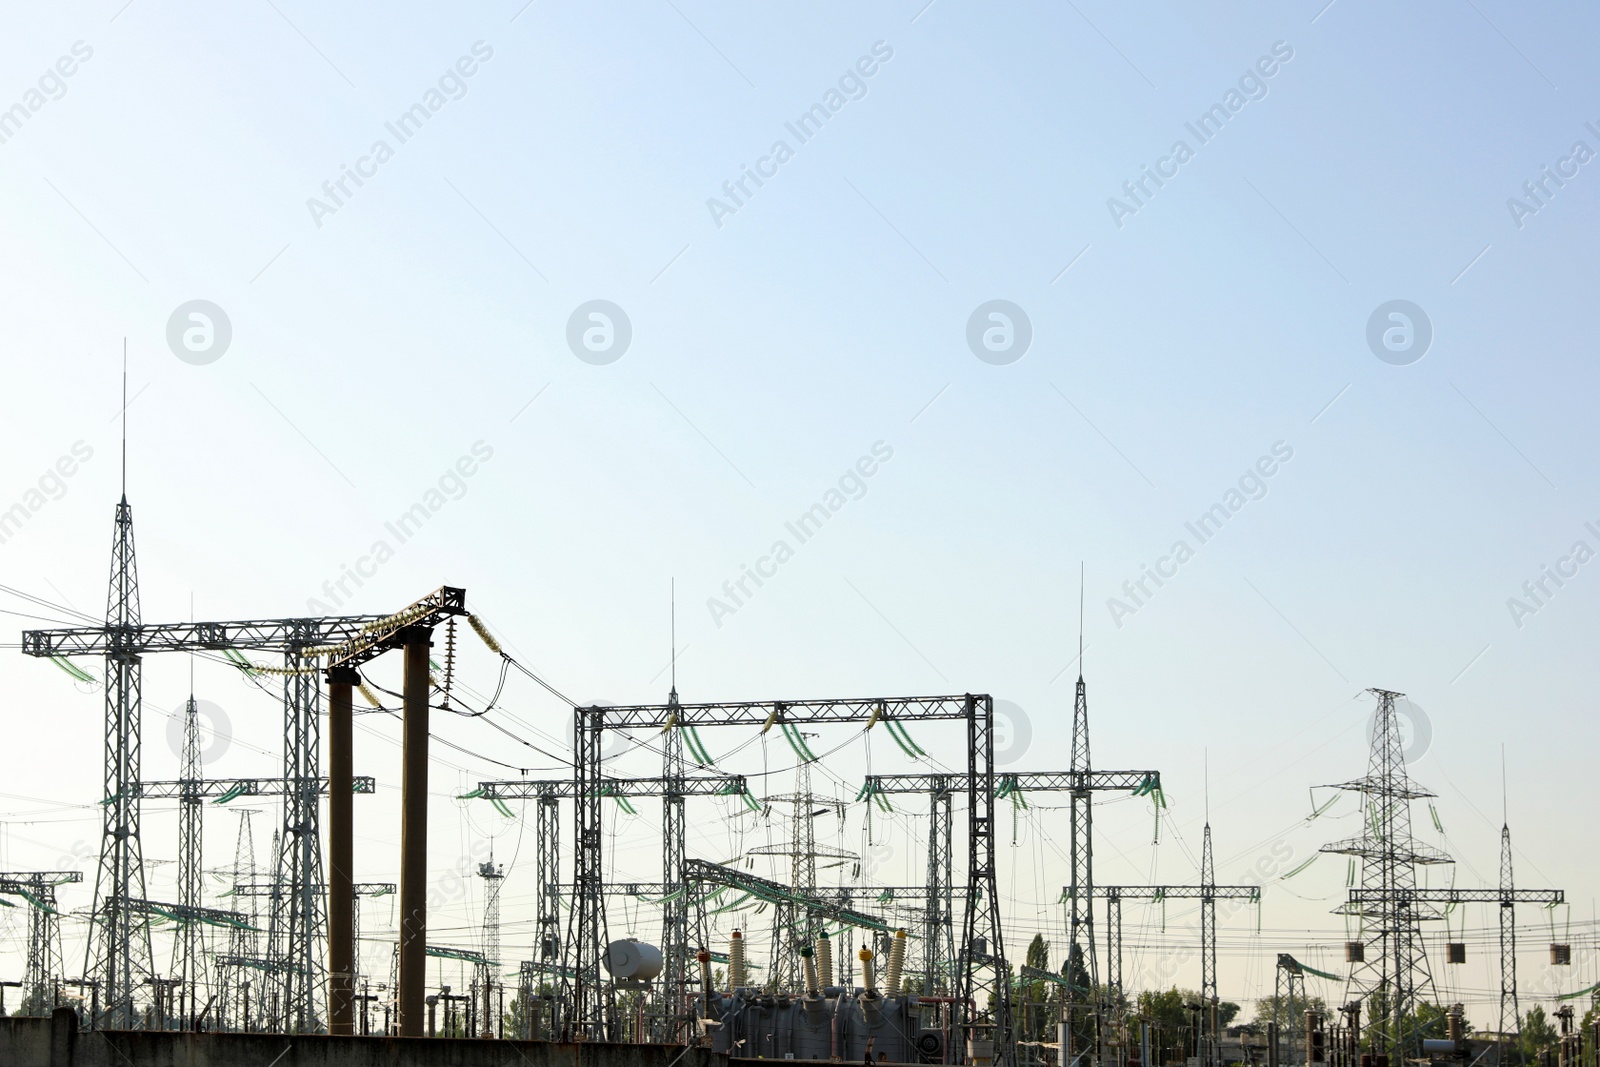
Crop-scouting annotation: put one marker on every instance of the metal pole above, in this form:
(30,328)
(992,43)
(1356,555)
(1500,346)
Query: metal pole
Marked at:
(414,832)
(341,878)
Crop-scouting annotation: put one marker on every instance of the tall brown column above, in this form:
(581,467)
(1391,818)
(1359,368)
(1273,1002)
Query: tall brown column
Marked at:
(341,872)
(414,832)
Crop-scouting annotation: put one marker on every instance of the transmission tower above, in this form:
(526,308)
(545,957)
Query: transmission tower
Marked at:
(1392,972)
(243,942)
(1080,847)
(119,945)
(1509,1011)
(189,950)
(792,926)
(675,908)
(494,876)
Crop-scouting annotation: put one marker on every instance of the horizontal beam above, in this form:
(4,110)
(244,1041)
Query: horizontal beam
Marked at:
(188,913)
(1177,892)
(800,712)
(41,878)
(718,785)
(208,788)
(1374,849)
(1459,896)
(264,635)
(1030,782)
(777,892)
(267,889)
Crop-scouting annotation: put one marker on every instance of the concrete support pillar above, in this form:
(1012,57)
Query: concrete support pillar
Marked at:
(341,874)
(414,832)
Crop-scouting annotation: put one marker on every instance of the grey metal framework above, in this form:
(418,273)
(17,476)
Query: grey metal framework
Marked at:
(1510,1011)
(697,871)
(1207,893)
(1288,979)
(675,906)
(215,789)
(120,949)
(547,895)
(793,926)
(1083,782)
(1394,971)
(938,917)
(43,965)
(189,954)
(673,789)
(119,946)
(1415,901)
(983,982)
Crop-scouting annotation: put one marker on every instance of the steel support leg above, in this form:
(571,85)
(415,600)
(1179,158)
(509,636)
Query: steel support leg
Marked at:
(414,833)
(341,875)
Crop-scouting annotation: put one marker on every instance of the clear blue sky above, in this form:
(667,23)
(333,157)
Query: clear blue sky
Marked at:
(775,340)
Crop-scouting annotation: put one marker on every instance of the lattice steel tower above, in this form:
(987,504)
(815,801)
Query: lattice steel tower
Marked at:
(1509,1011)
(675,909)
(298,919)
(119,946)
(1393,974)
(1080,893)
(189,949)
(494,876)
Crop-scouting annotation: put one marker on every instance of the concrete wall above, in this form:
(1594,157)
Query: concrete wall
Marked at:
(56,1042)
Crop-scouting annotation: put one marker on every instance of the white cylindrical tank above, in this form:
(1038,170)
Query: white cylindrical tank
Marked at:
(632,960)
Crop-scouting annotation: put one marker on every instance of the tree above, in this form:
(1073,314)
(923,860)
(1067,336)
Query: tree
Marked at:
(1538,1032)
(1274,1010)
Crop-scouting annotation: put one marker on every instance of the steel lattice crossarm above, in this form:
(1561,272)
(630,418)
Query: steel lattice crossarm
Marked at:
(271,635)
(185,913)
(1177,892)
(778,893)
(1406,790)
(1375,848)
(267,889)
(445,952)
(760,713)
(347,638)
(1506,897)
(715,785)
(37,887)
(223,790)
(254,962)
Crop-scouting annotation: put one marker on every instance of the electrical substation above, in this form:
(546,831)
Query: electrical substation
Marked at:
(790,943)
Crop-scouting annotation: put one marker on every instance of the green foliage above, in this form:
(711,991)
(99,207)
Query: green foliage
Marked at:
(1039,953)
(516,1017)
(1538,1032)
(1272,1010)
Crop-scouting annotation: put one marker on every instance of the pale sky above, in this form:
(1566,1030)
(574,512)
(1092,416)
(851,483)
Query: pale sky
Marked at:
(1182,332)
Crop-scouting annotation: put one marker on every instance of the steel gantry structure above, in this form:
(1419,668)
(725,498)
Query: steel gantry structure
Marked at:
(1207,892)
(119,953)
(38,888)
(983,982)
(940,788)
(938,918)
(1423,904)
(673,789)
